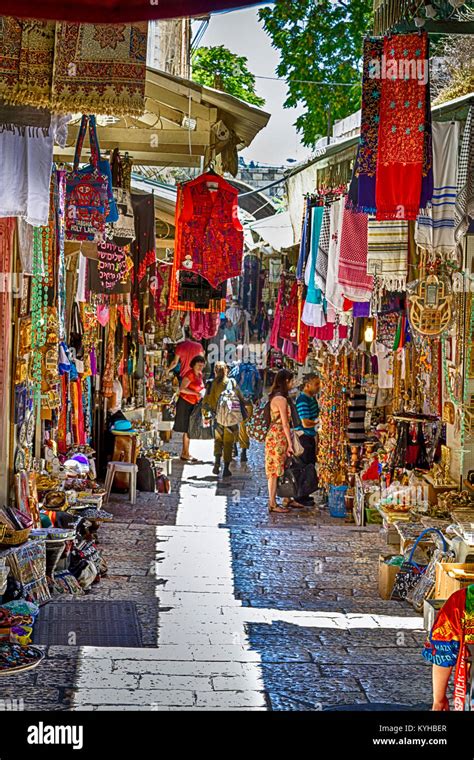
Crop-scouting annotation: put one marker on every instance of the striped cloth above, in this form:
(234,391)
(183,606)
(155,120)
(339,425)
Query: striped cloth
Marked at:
(356,284)
(333,290)
(464,209)
(387,255)
(434,230)
(357,407)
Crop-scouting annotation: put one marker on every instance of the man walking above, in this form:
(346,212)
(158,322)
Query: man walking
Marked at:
(308,410)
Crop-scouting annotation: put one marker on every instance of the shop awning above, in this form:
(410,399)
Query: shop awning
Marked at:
(183,123)
(275,230)
(116,11)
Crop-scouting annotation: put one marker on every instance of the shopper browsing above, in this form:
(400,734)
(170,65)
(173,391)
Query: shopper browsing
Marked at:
(190,392)
(308,410)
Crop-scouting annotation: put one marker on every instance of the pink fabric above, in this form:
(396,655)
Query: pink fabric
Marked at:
(356,284)
(204,325)
(187,350)
(103,314)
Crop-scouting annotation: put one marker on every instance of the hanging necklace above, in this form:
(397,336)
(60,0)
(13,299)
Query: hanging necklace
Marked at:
(39,306)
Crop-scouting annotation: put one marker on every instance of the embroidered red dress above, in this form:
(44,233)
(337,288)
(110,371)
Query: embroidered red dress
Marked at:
(210,238)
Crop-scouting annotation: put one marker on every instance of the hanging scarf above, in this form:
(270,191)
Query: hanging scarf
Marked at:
(355,282)
(388,253)
(290,316)
(452,631)
(333,291)
(464,209)
(108,376)
(204,326)
(323,250)
(7,231)
(402,122)
(434,231)
(275,341)
(366,161)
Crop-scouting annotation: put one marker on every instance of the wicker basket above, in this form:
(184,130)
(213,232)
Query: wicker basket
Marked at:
(14,537)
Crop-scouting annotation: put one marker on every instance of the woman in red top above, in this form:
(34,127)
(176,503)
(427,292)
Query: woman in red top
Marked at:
(190,392)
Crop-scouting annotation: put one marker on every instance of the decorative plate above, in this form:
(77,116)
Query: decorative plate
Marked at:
(30,429)
(19,463)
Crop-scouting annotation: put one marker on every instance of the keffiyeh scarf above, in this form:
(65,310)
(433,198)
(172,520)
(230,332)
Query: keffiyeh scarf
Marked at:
(464,209)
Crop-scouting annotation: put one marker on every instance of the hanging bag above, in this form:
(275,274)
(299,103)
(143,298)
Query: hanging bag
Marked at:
(123,230)
(411,572)
(88,192)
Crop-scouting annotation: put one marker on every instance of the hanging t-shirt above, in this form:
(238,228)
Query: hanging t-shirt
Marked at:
(25,170)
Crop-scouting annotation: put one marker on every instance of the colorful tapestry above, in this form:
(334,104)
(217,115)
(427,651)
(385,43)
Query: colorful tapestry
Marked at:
(434,231)
(464,209)
(26,61)
(452,632)
(356,284)
(387,252)
(403,101)
(100,68)
(143,248)
(366,161)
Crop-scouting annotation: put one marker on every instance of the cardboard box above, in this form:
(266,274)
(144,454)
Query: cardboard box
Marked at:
(387,575)
(431,607)
(445,585)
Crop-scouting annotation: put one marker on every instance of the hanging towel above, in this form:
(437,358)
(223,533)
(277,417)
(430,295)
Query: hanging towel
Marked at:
(464,209)
(403,102)
(352,275)
(333,290)
(434,231)
(323,250)
(388,252)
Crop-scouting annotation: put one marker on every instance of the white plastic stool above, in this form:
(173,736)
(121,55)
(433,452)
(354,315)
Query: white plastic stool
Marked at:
(127,467)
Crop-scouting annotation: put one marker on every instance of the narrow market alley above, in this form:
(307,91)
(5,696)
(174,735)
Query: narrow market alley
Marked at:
(238,609)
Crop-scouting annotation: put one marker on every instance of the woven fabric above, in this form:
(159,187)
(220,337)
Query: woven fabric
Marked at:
(26,61)
(210,238)
(7,232)
(333,291)
(356,284)
(400,156)
(100,68)
(434,231)
(387,252)
(323,250)
(366,161)
(464,209)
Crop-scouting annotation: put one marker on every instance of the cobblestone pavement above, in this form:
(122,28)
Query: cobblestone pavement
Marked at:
(239,609)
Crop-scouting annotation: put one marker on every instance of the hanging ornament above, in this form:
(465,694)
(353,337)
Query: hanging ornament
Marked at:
(431,305)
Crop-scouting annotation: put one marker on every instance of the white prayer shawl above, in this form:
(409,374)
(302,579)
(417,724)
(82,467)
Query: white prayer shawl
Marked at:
(434,230)
(333,290)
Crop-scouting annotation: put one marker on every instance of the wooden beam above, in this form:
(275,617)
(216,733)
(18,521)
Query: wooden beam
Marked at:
(184,104)
(146,138)
(163,243)
(140,157)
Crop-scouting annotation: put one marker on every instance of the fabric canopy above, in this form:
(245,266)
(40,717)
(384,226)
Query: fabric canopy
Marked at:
(115,11)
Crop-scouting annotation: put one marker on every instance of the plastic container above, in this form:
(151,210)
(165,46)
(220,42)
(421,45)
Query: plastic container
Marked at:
(337,501)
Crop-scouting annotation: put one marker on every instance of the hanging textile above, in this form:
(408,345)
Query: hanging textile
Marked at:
(209,236)
(356,284)
(204,326)
(26,61)
(100,68)
(7,232)
(387,252)
(305,234)
(434,231)
(403,105)
(109,273)
(290,316)
(275,340)
(118,10)
(312,313)
(333,292)
(323,250)
(464,209)
(366,161)
(143,248)
(249,287)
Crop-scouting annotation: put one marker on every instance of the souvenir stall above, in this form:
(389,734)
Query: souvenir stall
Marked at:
(89,311)
(381,300)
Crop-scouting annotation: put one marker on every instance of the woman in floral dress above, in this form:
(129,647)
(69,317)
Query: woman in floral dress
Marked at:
(278,443)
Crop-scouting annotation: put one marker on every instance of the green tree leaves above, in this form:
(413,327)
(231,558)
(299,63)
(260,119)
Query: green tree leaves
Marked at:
(319,41)
(218,67)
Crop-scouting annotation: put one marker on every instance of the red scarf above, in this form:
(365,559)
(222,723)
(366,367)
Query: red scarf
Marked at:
(401,127)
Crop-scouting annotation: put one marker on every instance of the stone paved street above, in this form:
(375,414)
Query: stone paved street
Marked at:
(239,609)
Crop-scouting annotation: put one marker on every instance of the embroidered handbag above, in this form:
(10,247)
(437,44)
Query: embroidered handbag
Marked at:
(87,192)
